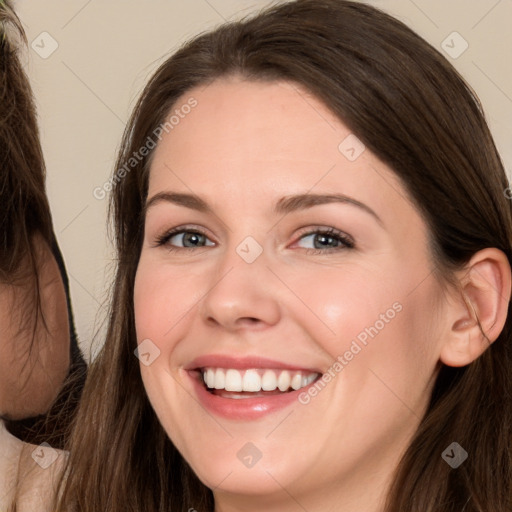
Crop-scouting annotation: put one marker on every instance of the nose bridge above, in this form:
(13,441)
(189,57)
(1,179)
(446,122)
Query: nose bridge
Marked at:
(243,288)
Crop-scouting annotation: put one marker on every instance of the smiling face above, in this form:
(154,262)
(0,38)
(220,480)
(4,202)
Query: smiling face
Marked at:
(242,276)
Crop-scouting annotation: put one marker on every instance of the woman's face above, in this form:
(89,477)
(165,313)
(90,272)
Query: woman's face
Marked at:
(296,256)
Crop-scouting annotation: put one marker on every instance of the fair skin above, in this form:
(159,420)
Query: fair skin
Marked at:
(245,146)
(33,368)
(25,482)
(31,375)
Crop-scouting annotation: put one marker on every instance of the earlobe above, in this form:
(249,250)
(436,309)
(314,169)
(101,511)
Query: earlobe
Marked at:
(479,312)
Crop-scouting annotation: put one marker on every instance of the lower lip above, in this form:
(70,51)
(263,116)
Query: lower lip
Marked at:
(242,408)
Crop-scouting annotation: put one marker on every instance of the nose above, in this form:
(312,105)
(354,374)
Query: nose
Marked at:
(242,295)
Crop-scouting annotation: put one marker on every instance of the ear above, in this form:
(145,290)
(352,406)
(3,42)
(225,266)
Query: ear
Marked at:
(479,312)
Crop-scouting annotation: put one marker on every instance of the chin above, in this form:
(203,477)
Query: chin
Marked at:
(238,467)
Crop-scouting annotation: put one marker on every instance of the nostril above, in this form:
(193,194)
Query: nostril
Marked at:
(249,320)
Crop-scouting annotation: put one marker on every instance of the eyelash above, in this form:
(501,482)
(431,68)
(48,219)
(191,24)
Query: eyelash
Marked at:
(346,241)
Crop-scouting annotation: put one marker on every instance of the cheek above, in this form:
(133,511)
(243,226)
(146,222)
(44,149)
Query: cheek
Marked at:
(384,322)
(402,350)
(351,303)
(162,297)
(159,303)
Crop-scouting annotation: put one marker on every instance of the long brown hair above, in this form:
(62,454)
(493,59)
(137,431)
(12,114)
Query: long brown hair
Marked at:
(24,208)
(415,112)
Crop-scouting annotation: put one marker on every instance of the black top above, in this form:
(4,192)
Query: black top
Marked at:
(76,354)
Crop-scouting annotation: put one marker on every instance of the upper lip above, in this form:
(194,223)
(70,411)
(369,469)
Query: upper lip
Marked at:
(243,363)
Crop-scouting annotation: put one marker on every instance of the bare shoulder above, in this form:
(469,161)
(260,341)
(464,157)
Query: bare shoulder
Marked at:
(10,449)
(40,471)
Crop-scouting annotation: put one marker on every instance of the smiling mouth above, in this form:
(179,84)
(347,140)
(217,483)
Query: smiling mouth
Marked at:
(254,382)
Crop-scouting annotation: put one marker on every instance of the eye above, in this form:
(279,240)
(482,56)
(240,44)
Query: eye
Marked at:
(323,240)
(183,238)
(326,240)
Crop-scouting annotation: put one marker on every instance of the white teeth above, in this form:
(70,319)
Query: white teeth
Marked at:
(255,380)
(306,380)
(210,378)
(269,381)
(297,381)
(283,382)
(220,379)
(233,381)
(251,381)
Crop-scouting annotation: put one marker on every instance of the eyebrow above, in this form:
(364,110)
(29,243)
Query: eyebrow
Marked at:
(284,206)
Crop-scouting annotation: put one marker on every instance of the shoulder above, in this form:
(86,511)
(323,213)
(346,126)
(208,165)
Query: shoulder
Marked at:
(10,450)
(39,471)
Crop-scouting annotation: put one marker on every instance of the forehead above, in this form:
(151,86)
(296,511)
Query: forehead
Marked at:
(247,140)
(236,120)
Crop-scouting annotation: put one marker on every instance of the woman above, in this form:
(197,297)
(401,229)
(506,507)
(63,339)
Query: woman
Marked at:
(314,273)
(37,335)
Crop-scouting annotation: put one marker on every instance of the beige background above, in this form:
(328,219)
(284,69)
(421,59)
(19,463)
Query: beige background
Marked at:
(108,48)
